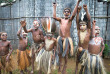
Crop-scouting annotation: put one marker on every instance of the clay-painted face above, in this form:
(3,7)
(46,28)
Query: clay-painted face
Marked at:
(83,26)
(49,36)
(97,30)
(66,13)
(24,35)
(4,36)
(35,24)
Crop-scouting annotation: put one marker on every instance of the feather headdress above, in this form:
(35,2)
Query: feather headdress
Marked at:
(49,25)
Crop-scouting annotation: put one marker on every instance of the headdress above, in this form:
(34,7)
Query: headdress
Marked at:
(83,17)
(49,25)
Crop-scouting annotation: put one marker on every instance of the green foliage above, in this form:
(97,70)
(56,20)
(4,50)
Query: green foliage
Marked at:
(69,71)
(6,1)
(106,50)
(28,45)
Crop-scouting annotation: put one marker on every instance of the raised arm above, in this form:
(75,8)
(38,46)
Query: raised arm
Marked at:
(77,17)
(88,16)
(18,33)
(93,28)
(75,10)
(23,24)
(54,12)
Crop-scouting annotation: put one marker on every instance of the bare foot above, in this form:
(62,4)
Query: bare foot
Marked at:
(59,70)
(21,72)
(32,72)
(64,70)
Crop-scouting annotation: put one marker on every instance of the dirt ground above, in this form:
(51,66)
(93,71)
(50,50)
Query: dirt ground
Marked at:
(70,66)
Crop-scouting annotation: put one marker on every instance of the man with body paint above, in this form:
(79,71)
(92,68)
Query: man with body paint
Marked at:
(96,42)
(84,30)
(6,61)
(46,54)
(65,42)
(23,58)
(38,39)
(91,59)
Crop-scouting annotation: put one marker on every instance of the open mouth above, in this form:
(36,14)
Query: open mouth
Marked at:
(66,15)
(4,38)
(97,33)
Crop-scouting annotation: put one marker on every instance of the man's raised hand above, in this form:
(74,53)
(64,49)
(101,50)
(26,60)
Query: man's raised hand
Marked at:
(85,7)
(94,22)
(23,23)
(54,4)
(79,8)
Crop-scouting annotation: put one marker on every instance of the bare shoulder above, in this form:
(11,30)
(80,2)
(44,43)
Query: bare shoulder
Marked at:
(40,30)
(101,38)
(54,39)
(8,42)
(70,20)
(45,37)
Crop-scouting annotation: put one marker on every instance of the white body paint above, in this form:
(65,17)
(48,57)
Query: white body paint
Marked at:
(48,43)
(82,36)
(96,41)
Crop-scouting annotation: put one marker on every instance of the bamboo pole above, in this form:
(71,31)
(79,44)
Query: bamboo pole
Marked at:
(100,17)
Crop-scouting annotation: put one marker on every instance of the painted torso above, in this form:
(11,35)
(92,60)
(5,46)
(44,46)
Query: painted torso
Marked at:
(4,48)
(22,44)
(65,27)
(95,45)
(49,44)
(37,36)
(84,39)
(96,41)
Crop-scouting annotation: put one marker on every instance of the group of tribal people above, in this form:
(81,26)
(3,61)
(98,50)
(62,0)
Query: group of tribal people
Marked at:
(43,49)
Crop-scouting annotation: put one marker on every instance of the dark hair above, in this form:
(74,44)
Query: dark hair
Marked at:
(67,9)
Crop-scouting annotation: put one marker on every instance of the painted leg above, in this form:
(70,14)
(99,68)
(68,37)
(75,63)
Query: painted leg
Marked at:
(77,62)
(32,61)
(65,60)
(60,62)
(0,71)
(65,65)
(76,67)
(40,72)
(10,72)
(26,70)
(81,70)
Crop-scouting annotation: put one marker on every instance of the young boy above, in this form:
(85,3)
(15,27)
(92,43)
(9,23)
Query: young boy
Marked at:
(5,54)
(84,30)
(47,51)
(37,36)
(22,53)
(64,40)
